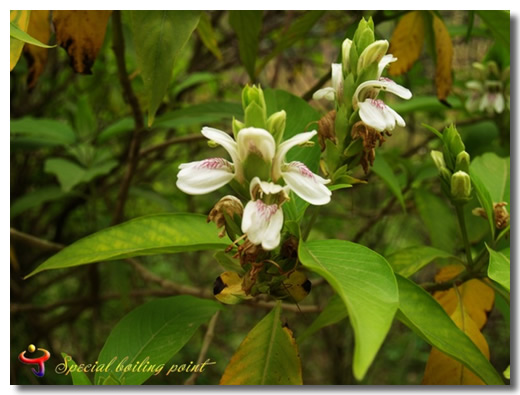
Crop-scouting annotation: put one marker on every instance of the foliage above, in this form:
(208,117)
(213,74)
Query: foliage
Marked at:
(319,235)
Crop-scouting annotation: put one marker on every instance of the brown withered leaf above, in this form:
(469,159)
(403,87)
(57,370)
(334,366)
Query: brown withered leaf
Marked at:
(81,33)
(326,129)
(39,28)
(407,42)
(477,297)
(442,369)
(444,52)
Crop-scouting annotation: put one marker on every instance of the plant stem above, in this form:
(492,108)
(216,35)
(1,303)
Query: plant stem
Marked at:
(462,223)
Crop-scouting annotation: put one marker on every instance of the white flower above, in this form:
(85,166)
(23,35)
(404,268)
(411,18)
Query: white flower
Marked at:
(487,97)
(200,177)
(330,93)
(307,185)
(375,113)
(263,217)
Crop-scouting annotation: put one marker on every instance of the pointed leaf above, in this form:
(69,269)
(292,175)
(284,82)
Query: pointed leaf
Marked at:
(267,356)
(20,19)
(78,377)
(410,260)
(365,282)
(159,37)
(42,131)
(444,58)
(23,36)
(207,35)
(494,173)
(422,314)
(499,22)
(247,26)
(149,235)
(499,268)
(82,34)
(153,332)
(383,170)
(40,29)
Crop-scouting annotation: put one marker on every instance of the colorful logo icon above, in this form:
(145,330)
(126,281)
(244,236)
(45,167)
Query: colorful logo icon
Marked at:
(40,372)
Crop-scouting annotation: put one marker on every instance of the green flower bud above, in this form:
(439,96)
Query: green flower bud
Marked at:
(462,162)
(366,38)
(345,52)
(253,102)
(438,159)
(276,125)
(460,187)
(445,175)
(353,58)
(363,26)
(372,55)
(453,145)
(237,126)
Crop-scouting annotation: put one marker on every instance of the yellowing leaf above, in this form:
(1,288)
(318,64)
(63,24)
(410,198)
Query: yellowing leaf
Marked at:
(443,370)
(39,28)
(268,355)
(476,296)
(81,33)
(407,42)
(21,20)
(444,57)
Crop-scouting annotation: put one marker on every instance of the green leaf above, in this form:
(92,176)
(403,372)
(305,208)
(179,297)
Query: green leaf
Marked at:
(69,173)
(498,22)
(194,79)
(78,377)
(148,235)
(247,26)
(426,104)
(35,199)
(267,356)
(507,372)
(296,31)
(19,34)
(438,219)
(422,314)
(499,268)
(46,132)
(410,260)
(383,170)
(118,128)
(493,172)
(153,332)
(159,37)
(332,314)
(485,200)
(228,263)
(207,35)
(19,18)
(85,122)
(200,113)
(365,282)
(301,117)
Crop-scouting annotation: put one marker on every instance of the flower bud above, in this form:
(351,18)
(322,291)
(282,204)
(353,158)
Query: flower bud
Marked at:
(462,162)
(345,55)
(223,213)
(237,126)
(253,102)
(438,159)
(276,125)
(372,54)
(453,145)
(460,187)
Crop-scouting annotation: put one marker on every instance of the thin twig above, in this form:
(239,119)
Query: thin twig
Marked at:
(35,241)
(208,337)
(133,151)
(175,140)
(308,95)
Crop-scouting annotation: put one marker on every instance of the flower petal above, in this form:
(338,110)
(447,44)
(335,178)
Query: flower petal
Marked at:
(307,185)
(391,86)
(397,118)
(223,139)
(385,61)
(325,93)
(268,188)
(499,103)
(271,238)
(198,178)
(256,221)
(258,141)
(372,115)
(284,148)
(337,76)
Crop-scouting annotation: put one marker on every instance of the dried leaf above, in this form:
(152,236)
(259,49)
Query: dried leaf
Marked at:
(476,296)
(443,370)
(444,57)
(21,20)
(407,42)
(39,28)
(81,33)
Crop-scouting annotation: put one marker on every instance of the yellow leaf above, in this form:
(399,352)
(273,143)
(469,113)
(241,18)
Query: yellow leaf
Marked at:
(21,20)
(444,52)
(81,33)
(443,370)
(39,28)
(407,42)
(476,296)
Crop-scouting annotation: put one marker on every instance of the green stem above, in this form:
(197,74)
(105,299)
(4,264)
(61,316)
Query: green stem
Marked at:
(462,223)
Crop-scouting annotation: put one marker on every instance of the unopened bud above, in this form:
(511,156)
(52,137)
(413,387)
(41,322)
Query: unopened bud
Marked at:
(460,187)
(462,162)
(276,125)
(345,55)
(237,126)
(372,54)
(253,102)
(453,145)
(438,159)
